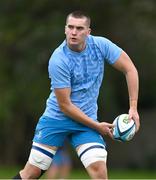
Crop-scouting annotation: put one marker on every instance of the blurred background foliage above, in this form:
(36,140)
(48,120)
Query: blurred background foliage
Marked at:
(30,31)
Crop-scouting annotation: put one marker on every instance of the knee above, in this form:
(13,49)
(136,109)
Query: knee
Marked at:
(98,170)
(30,173)
(93,157)
(95,167)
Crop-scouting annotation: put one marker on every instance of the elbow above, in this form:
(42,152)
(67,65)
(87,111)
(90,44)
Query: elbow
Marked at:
(132,71)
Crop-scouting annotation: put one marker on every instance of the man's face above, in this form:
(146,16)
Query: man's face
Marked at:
(76,31)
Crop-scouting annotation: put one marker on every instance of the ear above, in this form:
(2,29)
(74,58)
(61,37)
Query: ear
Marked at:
(89,31)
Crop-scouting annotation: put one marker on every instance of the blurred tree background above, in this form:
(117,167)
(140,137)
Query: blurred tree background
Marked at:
(30,31)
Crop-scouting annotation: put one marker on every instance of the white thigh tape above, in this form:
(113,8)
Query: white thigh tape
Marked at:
(92,152)
(41,156)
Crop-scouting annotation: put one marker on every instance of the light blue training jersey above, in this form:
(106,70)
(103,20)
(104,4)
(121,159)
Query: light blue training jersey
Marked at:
(82,72)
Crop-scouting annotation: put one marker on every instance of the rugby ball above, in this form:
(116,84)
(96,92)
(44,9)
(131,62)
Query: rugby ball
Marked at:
(124,129)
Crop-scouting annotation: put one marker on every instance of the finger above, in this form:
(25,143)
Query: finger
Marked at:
(110,134)
(110,125)
(137,123)
(137,126)
(130,117)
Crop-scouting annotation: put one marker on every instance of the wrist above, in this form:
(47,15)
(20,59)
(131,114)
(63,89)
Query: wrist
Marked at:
(133,103)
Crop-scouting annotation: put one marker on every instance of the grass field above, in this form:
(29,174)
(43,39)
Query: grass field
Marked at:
(9,172)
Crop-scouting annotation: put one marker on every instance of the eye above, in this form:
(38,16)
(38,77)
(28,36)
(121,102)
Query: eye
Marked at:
(79,28)
(70,26)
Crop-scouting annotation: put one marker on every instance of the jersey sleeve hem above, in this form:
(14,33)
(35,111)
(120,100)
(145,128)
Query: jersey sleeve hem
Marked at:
(116,57)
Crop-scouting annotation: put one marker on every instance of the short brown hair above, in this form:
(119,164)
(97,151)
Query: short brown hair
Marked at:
(80,14)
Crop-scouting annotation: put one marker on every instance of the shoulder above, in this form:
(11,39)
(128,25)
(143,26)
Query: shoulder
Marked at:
(102,43)
(59,51)
(58,56)
(98,40)
(59,62)
(109,49)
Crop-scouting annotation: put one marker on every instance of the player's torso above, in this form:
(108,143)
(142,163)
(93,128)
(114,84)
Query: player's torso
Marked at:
(86,73)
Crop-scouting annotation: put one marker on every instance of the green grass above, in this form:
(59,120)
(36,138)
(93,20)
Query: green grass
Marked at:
(9,172)
(132,174)
(118,174)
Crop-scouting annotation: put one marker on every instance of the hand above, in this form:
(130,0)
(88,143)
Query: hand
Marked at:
(106,129)
(133,114)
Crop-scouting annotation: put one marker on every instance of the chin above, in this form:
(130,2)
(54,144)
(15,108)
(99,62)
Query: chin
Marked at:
(73,44)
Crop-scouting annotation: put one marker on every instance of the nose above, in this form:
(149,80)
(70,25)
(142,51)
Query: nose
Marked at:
(74,31)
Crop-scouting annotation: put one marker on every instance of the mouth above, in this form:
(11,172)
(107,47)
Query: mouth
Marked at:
(73,39)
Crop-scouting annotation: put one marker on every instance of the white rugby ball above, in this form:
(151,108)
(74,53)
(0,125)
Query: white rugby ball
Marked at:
(124,129)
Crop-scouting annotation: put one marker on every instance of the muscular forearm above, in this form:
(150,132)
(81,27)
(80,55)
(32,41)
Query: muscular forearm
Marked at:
(75,113)
(133,87)
(72,111)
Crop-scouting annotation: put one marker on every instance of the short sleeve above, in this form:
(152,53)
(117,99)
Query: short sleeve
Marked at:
(59,72)
(110,51)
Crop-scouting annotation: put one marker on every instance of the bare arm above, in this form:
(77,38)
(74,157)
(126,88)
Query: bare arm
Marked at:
(68,108)
(125,65)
